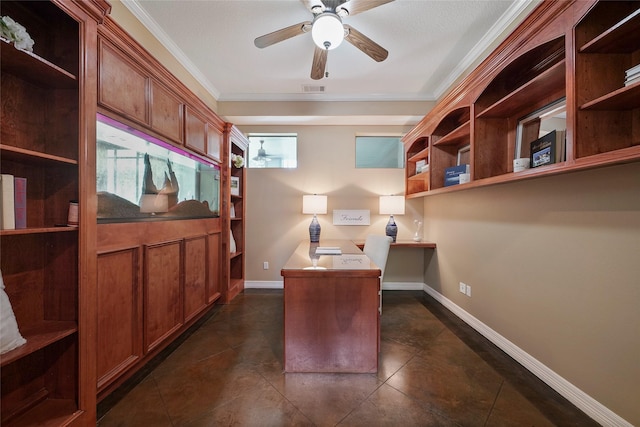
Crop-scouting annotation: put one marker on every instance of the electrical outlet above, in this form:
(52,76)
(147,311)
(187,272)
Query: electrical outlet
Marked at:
(265,265)
(468,290)
(463,288)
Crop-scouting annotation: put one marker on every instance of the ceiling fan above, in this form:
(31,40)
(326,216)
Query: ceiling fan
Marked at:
(328,31)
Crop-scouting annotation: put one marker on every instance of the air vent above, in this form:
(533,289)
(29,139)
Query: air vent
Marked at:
(312,89)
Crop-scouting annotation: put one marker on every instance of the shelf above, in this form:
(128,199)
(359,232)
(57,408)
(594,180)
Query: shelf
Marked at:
(10,152)
(621,38)
(35,69)
(625,98)
(38,338)
(454,137)
(548,82)
(48,412)
(423,154)
(38,230)
(235,254)
(419,176)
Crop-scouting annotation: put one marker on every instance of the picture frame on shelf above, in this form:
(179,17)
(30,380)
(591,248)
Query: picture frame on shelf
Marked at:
(235,186)
(543,150)
(464,155)
(232,211)
(537,124)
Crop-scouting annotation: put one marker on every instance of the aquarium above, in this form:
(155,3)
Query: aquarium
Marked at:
(141,178)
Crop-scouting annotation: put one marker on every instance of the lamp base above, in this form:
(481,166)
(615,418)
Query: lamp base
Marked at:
(314,230)
(391,229)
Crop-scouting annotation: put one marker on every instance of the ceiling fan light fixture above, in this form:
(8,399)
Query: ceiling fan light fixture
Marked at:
(327,31)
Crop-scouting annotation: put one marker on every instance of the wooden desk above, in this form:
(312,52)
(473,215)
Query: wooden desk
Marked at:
(331,320)
(402,244)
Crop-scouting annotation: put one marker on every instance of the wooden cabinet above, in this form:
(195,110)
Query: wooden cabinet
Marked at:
(155,279)
(47,115)
(128,89)
(203,135)
(237,145)
(122,85)
(531,70)
(166,112)
(196,131)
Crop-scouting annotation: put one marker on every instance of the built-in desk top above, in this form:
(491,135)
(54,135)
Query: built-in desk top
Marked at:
(351,257)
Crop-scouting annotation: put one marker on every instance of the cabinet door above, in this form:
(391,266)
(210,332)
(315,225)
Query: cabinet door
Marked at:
(195,131)
(122,86)
(119,314)
(195,276)
(163,308)
(166,112)
(214,142)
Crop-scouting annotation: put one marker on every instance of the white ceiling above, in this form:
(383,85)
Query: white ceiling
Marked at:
(430,44)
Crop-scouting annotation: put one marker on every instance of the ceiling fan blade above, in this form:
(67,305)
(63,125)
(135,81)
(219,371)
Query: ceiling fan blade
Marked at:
(365,44)
(282,34)
(310,4)
(319,63)
(358,6)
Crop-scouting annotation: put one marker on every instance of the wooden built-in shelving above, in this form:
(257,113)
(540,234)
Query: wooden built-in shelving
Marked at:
(578,51)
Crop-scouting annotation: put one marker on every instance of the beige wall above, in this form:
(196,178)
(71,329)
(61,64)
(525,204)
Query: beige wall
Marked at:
(326,157)
(554,266)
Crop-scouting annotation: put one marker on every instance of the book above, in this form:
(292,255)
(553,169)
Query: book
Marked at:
(633,70)
(7,202)
(452,174)
(20,201)
(328,250)
(632,80)
(421,165)
(543,150)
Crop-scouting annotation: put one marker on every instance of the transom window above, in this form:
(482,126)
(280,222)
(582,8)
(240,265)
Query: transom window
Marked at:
(379,152)
(268,150)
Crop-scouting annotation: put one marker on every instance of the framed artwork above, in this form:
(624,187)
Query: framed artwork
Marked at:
(464,155)
(235,186)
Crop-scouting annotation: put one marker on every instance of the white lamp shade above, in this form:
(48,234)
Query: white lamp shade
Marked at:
(314,204)
(327,31)
(392,205)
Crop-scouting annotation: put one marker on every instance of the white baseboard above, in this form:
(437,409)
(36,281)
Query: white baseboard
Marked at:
(275,284)
(580,399)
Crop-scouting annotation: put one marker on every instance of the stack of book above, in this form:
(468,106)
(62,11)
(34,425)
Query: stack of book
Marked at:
(422,166)
(452,174)
(632,75)
(13,202)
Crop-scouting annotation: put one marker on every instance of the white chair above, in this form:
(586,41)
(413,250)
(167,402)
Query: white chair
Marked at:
(377,249)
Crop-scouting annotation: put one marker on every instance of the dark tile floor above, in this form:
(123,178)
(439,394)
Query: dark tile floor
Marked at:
(434,371)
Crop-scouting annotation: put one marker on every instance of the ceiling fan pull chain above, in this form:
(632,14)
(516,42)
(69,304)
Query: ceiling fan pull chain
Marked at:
(326,67)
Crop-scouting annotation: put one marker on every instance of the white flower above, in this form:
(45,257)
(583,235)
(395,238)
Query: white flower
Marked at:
(238,161)
(16,33)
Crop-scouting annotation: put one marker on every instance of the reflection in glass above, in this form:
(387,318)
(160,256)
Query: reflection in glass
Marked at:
(142,178)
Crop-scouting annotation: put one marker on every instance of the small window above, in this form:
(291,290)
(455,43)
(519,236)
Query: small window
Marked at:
(379,152)
(273,151)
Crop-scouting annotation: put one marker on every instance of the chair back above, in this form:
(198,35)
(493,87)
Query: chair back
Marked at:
(377,248)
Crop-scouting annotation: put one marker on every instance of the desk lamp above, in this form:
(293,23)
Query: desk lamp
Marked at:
(391,205)
(316,205)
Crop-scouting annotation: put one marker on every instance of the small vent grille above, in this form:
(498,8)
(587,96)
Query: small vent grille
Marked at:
(312,89)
